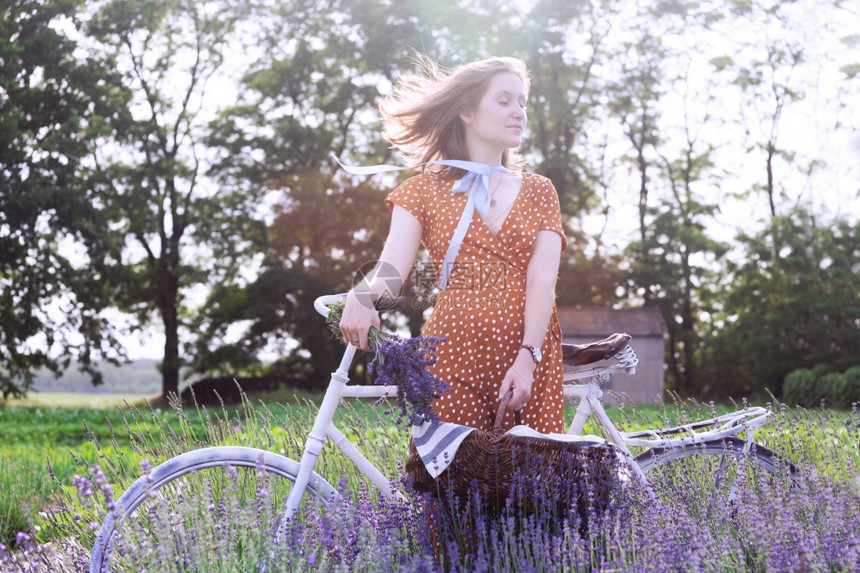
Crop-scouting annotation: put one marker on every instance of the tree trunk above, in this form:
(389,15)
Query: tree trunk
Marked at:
(688,339)
(170,316)
(170,365)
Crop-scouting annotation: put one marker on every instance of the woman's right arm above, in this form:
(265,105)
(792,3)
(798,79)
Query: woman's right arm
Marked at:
(395,262)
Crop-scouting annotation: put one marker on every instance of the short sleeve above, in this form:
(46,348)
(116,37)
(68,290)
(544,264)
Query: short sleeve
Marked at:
(412,196)
(551,211)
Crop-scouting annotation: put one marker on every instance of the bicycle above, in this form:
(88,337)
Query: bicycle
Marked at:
(709,454)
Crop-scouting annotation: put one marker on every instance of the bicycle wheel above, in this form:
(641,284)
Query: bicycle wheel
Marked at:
(712,477)
(189,507)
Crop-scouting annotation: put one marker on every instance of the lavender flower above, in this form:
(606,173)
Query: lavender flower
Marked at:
(402,362)
(84,489)
(146,469)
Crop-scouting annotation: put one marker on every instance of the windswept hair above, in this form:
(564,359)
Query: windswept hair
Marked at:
(421,117)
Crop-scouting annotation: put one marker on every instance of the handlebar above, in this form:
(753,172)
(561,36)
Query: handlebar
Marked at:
(384,303)
(321,303)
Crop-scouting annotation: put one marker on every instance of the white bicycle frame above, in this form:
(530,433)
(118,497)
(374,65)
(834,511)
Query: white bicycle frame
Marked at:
(589,397)
(324,428)
(588,394)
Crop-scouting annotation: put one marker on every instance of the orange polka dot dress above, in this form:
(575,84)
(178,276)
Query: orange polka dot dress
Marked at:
(481,312)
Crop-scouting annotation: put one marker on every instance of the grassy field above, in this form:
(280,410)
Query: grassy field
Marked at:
(47,438)
(50,438)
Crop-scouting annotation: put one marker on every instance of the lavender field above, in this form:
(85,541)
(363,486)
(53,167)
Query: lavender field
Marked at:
(223,521)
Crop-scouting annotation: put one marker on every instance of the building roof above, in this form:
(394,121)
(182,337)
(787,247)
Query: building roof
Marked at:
(601,322)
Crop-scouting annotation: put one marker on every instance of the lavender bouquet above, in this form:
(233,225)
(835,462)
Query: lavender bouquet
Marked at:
(401,362)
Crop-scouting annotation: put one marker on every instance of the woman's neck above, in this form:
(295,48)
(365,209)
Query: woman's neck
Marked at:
(490,157)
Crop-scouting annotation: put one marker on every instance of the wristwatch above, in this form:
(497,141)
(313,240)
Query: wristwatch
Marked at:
(535,352)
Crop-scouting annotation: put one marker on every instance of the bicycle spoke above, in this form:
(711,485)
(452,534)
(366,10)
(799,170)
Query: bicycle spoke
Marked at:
(220,514)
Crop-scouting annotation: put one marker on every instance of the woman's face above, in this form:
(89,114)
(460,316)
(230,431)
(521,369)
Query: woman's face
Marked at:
(497,123)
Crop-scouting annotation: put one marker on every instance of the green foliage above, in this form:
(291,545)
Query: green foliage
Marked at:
(587,280)
(800,388)
(833,386)
(812,387)
(851,71)
(721,62)
(671,269)
(54,108)
(296,107)
(852,387)
(792,303)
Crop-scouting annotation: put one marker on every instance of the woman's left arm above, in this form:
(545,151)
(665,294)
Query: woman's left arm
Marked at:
(541,277)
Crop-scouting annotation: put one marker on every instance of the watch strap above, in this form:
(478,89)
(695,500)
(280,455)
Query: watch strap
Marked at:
(532,350)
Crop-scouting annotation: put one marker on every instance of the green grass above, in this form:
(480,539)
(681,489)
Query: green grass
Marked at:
(42,448)
(68,440)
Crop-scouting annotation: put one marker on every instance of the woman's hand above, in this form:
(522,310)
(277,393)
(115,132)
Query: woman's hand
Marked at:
(519,378)
(357,318)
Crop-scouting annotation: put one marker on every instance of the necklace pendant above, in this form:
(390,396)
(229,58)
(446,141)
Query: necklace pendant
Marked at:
(492,203)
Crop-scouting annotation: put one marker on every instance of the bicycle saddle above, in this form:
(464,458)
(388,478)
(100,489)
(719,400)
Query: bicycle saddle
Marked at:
(582,354)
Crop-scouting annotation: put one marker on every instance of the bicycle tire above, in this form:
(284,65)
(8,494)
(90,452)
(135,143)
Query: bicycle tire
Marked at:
(189,463)
(709,476)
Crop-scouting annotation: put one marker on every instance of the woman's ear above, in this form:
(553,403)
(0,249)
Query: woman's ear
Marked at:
(466,116)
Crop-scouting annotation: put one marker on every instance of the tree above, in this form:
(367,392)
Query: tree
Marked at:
(676,261)
(792,302)
(790,77)
(565,101)
(672,264)
(313,91)
(310,95)
(53,109)
(677,264)
(313,96)
(633,101)
(770,82)
(172,229)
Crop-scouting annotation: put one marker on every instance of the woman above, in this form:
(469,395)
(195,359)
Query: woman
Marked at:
(497,309)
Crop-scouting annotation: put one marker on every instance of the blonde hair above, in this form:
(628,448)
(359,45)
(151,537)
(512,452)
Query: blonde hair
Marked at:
(421,117)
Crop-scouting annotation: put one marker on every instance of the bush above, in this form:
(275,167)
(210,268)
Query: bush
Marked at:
(808,387)
(799,388)
(229,389)
(852,386)
(832,389)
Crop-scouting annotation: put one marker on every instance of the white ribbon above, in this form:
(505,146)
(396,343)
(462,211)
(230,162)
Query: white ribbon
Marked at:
(476,181)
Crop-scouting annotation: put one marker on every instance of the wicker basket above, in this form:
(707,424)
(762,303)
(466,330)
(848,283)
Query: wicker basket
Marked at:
(497,465)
